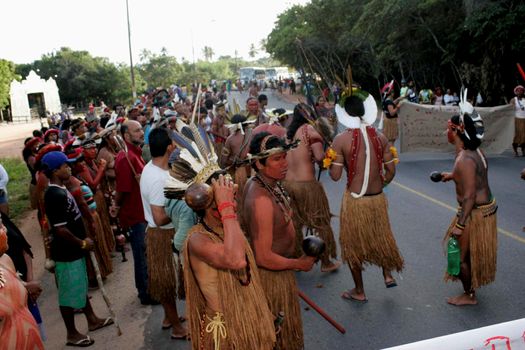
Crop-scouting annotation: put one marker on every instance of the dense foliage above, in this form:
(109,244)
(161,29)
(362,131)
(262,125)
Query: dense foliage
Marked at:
(434,42)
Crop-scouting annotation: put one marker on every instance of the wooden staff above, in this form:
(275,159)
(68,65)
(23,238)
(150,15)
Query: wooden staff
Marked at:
(106,298)
(321,312)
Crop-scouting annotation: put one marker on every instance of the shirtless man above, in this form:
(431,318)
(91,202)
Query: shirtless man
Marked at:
(222,283)
(219,131)
(272,235)
(475,223)
(365,234)
(235,149)
(253,110)
(309,201)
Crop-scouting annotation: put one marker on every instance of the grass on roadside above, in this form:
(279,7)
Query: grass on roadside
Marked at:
(18,186)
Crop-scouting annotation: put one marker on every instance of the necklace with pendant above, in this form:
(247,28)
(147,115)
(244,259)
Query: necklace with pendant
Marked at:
(280,195)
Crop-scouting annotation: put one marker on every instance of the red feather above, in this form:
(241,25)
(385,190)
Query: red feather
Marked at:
(521,71)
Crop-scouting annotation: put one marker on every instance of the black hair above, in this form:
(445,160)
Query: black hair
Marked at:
(208,104)
(298,120)
(238,118)
(255,145)
(123,129)
(354,106)
(37,133)
(262,97)
(203,110)
(279,111)
(473,143)
(104,121)
(159,140)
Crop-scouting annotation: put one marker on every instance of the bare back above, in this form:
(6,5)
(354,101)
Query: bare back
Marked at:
(301,159)
(343,145)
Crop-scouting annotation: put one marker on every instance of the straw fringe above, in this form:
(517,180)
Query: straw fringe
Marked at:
(281,292)
(366,236)
(247,317)
(311,209)
(390,128)
(102,253)
(483,245)
(519,131)
(162,269)
(103,213)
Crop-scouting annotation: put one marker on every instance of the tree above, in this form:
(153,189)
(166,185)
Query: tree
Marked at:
(159,69)
(253,51)
(426,41)
(7,75)
(208,53)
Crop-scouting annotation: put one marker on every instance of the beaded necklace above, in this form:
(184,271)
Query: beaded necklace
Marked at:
(280,195)
(248,273)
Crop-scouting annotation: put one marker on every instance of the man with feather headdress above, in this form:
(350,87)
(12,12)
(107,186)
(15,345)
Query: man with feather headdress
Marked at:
(474,225)
(308,198)
(226,306)
(365,234)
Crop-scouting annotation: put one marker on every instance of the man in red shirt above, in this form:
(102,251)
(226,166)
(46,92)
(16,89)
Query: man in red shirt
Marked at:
(128,203)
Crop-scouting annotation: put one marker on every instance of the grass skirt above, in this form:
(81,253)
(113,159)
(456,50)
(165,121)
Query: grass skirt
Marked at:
(390,128)
(281,291)
(366,236)
(102,253)
(311,209)
(162,267)
(519,131)
(246,317)
(103,213)
(481,227)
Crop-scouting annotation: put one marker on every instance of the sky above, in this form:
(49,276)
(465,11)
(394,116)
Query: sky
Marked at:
(31,28)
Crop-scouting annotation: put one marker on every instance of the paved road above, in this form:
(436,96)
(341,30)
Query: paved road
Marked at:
(420,212)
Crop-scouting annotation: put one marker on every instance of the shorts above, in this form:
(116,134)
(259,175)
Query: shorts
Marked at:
(72,283)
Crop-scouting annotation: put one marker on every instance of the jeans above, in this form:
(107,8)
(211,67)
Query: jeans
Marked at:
(137,234)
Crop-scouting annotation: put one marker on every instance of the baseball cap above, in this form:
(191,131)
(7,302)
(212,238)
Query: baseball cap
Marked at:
(54,160)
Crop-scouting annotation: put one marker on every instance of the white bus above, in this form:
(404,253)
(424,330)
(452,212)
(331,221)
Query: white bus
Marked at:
(276,73)
(248,74)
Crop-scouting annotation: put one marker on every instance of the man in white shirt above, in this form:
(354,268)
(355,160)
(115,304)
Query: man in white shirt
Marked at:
(162,271)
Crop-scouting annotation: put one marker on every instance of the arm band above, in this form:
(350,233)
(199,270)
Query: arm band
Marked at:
(338,164)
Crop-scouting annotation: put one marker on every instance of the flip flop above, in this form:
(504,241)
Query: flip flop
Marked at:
(348,296)
(108,321)
(180,337)
(82,343)
(334,267)
(391,284)
(168,325)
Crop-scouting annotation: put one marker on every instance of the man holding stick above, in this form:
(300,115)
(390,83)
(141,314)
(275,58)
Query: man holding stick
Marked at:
(69,246)
(272,235)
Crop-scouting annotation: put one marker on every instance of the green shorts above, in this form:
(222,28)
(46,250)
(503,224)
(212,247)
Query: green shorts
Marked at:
(72,283)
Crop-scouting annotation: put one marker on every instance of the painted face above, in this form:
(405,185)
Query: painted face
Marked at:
(3,239)
(53,137)
(253,106)
(276,166)
(90,152)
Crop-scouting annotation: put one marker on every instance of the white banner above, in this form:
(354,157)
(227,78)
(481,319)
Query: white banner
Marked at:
(502,336)
(422,127)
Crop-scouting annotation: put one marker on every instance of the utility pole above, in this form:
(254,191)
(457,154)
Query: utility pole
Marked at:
(133,88)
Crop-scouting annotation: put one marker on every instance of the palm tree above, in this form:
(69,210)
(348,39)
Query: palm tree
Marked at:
(208,53)
(253,51)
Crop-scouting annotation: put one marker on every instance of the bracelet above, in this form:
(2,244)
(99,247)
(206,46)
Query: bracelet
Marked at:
(225,205)
(230,216)
(337,164)
(459,226)
(84,244)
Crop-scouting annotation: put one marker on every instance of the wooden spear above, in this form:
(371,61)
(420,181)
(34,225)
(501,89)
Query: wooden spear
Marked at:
(104,295)
(321,312)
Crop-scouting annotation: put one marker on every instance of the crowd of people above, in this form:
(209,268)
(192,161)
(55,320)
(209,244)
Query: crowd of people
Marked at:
(216,201)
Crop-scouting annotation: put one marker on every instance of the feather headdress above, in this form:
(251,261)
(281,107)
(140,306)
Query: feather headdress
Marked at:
(197,160)
(358,122)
